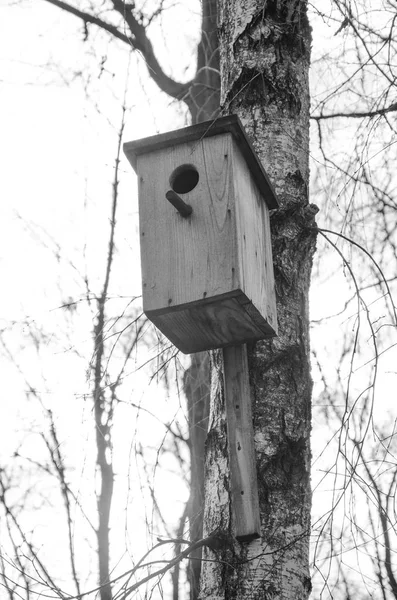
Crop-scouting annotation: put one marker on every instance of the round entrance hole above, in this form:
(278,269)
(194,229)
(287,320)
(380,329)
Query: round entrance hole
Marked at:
(184,179)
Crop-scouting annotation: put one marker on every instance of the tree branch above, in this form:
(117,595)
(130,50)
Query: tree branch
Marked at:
(88,18)
(141,42)
(137,41)
(357,115)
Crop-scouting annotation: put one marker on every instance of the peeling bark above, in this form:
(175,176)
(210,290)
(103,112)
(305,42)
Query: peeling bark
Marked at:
(264,52)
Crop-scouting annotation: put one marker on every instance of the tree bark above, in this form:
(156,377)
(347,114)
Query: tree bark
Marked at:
(196,388)
(205,88)
(265,53)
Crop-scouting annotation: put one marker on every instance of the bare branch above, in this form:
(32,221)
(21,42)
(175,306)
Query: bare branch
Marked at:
(88,18)
(137,41)
(357,115)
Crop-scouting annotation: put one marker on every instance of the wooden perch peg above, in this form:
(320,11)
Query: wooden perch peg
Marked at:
(185,210)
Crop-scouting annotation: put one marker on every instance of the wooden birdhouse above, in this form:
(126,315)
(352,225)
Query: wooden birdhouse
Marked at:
(207,270)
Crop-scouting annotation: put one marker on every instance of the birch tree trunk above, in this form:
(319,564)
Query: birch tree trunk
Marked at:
(264,53)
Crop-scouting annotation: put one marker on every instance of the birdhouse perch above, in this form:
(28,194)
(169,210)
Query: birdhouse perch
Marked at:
(207,270)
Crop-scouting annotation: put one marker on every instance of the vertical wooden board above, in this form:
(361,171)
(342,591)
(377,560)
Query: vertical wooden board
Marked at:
(254,241)
(240,433)
(185,260)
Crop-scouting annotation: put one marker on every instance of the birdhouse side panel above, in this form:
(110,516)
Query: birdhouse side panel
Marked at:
(254,244)
(189,259)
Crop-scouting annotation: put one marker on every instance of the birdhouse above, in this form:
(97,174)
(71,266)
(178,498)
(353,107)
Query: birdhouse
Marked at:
(207,269)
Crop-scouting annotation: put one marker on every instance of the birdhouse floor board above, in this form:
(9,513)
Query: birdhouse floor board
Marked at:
(213,323)
(240,435)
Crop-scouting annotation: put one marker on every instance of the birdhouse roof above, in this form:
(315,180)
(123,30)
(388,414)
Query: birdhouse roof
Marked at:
(229,124)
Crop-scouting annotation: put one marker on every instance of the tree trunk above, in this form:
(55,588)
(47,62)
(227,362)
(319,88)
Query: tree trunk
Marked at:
(196,388)
(264,53)
(204,93)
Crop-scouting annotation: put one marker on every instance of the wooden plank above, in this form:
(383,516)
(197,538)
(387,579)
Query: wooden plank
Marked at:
(240,433)
(185,260)
(216,322)
(229,124)
(253,241)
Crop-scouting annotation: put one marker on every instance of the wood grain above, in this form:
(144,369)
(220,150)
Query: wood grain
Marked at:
(240,434)
(207,279)
(228,124)
(253,241)
(185,260)
(213,323)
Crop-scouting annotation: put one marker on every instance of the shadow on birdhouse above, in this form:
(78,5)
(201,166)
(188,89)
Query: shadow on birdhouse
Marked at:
(207,269)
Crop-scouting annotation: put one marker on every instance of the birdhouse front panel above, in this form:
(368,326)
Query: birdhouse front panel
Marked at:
(187,259)
(205,237)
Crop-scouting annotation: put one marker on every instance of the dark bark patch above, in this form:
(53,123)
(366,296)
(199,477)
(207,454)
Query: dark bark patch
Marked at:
(220,541)
(255,87)
(307,583)
(285,471)
(281,24)
(217,439)
(296,179)
(266,590)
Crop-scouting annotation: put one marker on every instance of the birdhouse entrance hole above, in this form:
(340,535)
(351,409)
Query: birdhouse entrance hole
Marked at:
(184,179)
